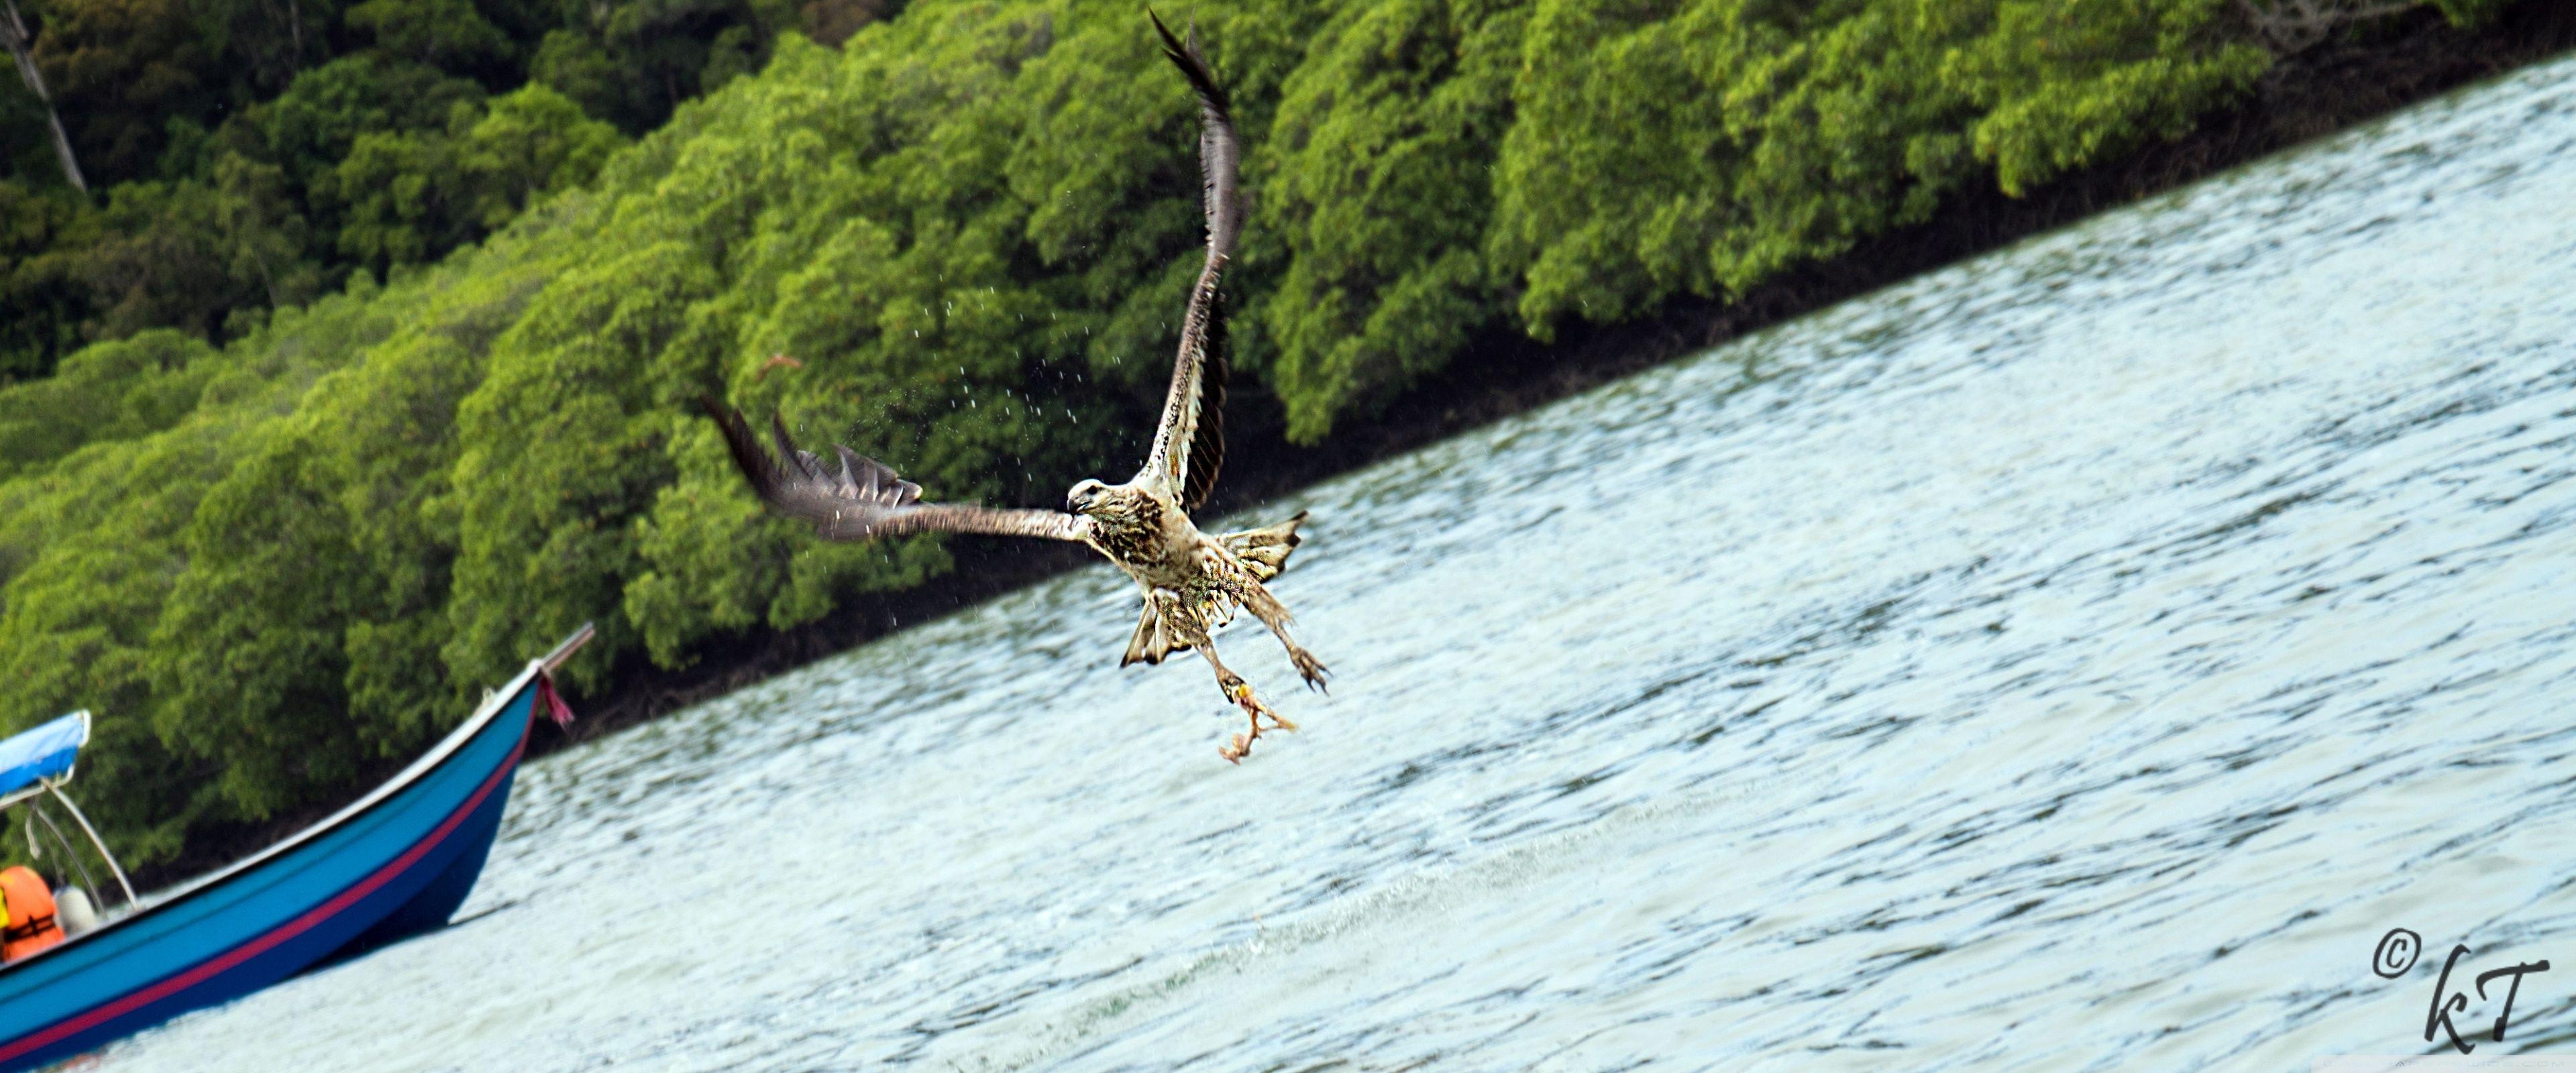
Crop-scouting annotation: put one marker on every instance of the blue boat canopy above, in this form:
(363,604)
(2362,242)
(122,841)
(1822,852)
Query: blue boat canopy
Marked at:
(46,752)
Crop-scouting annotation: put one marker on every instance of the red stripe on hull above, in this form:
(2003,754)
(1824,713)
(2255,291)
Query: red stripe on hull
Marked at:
(206,970)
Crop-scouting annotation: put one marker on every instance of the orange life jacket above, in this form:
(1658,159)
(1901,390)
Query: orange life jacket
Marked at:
(27,920)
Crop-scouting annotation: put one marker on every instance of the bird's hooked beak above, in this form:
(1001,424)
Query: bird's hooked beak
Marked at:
(1078,501)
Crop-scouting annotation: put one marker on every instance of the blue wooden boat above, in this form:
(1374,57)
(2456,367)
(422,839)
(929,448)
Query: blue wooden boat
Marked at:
(394,864)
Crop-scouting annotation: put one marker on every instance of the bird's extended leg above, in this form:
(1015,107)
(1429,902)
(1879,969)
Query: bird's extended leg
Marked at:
(1240,692)
(1256,597)
(1237,691)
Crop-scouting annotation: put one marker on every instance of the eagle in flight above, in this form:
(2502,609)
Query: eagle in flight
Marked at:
(1192,582)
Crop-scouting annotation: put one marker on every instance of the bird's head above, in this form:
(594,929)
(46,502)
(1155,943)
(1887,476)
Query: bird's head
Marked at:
(1083,496)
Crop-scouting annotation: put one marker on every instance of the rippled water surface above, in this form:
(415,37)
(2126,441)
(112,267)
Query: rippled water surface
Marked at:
(2073,659)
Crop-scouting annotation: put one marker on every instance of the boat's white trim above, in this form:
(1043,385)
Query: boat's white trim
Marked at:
(564,651)
(492,704)
(494,701)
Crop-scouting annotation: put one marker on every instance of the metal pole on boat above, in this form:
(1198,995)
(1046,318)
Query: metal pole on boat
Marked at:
(69,853)
(94,840)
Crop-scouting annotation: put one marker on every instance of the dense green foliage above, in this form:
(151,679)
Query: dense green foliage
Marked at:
(244,155)
(271,562)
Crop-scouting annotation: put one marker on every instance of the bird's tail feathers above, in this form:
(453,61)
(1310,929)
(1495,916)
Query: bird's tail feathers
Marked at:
(1265,550)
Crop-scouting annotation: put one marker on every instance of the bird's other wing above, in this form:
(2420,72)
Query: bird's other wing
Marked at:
(864,499)
(1189,444)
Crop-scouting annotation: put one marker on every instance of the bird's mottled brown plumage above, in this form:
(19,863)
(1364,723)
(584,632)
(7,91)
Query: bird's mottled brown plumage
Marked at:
(1192,582)
(862,498)
(1189,442)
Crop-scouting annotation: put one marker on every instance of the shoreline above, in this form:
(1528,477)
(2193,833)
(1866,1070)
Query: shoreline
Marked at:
(2323,91)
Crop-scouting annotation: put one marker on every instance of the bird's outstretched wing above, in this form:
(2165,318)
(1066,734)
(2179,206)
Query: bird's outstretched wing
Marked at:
(864,499)
(1189,444)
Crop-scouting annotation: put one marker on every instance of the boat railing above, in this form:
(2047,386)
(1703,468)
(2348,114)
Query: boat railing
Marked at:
(122,883)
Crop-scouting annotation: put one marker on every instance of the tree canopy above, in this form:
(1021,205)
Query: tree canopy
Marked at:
(243,155)
(394,365)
